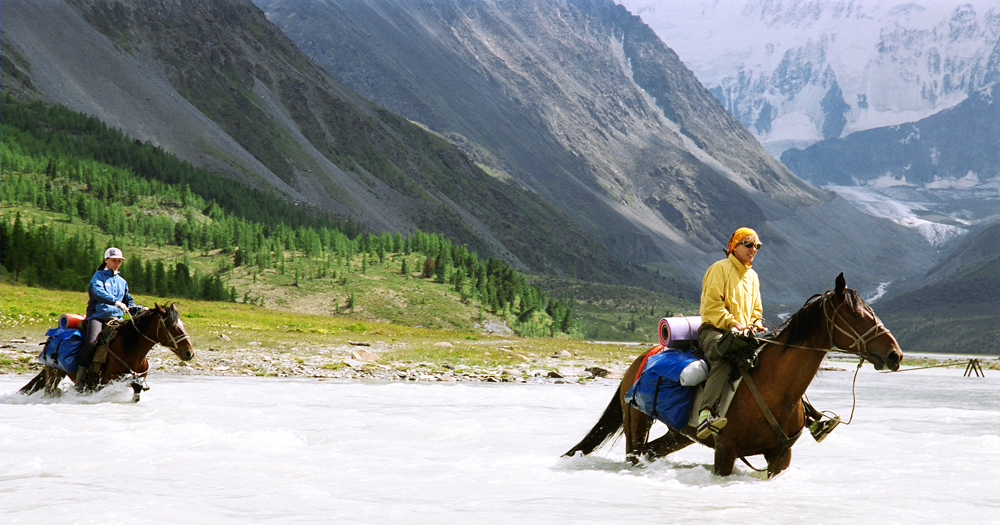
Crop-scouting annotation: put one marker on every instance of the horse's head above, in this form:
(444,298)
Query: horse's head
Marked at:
(854,327)
(171,333)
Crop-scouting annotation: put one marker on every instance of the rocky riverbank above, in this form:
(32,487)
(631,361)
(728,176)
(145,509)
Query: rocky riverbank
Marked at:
(372,361)
(357,360)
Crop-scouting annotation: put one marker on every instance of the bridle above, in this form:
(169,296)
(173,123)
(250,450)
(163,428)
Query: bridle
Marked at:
(174,340)
(860,340)
(860,345)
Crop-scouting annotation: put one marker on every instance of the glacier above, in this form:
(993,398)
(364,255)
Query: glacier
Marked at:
(798,71)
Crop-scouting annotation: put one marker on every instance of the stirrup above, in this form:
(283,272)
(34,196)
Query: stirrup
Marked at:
(821,429)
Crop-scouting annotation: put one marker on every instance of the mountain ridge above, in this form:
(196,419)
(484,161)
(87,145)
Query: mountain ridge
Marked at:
(259,111)
(627,140)
(636,166)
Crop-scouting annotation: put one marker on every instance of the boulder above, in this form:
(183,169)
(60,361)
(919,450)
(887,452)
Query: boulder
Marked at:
(366,356)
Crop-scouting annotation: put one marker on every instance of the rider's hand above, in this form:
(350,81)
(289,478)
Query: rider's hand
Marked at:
(121,306)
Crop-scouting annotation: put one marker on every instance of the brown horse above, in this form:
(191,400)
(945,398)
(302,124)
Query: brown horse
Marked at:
(127,352)
(834,321)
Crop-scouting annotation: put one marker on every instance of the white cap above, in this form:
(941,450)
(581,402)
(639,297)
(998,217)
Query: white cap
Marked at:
(113,253)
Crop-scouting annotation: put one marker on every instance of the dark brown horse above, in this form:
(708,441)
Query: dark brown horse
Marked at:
(127,352)
(834,321)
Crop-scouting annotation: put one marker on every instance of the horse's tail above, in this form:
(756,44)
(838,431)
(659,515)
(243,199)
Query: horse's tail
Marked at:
(606,428)
(34,385)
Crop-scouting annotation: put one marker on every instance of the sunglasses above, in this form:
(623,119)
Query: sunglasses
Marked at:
(749,244)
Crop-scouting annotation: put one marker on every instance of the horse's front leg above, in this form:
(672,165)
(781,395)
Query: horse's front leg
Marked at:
(778,461)
(725,456)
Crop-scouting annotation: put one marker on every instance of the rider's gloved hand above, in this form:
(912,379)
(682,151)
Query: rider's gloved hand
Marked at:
(121,306)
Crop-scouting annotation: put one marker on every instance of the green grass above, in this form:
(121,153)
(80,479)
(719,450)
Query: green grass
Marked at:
(382,293)
(229,327)
(616,313)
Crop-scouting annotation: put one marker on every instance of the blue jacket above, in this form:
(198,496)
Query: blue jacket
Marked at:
(107,287)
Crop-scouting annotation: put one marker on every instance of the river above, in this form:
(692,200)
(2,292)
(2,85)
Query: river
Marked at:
(924,447)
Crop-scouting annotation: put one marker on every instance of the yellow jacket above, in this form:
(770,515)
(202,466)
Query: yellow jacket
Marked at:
(730,294)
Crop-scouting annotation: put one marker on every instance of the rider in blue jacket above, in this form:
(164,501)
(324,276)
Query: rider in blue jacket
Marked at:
(109,298)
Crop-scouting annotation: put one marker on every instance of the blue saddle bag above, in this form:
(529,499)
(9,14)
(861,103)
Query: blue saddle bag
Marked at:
(62,349)
(658,392)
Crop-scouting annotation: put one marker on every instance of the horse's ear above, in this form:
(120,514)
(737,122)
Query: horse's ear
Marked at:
(173,305)
(841,285)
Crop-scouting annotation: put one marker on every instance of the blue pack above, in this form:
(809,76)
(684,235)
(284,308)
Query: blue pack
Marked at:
(658,392)
(62,349)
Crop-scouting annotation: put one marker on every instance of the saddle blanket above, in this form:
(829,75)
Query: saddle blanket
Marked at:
(661,389)
(61,349)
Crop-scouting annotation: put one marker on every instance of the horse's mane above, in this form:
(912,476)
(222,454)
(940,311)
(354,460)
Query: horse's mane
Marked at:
(801,325)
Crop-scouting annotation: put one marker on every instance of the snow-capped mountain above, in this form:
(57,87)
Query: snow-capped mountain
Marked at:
(939,175)
(799,71)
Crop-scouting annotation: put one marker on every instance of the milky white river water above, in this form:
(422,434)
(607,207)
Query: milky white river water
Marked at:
(924,448)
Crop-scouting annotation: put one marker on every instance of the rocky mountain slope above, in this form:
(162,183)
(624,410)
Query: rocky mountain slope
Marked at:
(944,170)
(959,142)
(582,103)
(954,307)
(892,98)
(220,86)
(591,145)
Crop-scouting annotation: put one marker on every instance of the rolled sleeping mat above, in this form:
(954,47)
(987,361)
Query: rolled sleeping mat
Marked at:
(679,332)
(70,320)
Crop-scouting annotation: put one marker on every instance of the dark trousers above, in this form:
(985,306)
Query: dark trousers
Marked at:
(91,329)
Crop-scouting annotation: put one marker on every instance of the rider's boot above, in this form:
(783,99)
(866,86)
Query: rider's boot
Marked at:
(709,424)
(821,429)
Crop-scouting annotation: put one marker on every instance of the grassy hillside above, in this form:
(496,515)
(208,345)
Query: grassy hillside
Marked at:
(71,186)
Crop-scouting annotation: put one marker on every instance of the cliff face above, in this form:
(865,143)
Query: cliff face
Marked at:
(582,103)
(579,101)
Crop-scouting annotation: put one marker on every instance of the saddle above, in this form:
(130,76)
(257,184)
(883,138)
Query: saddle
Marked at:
(108,333)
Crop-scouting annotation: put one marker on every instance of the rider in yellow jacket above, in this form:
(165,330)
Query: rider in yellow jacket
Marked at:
(730,300)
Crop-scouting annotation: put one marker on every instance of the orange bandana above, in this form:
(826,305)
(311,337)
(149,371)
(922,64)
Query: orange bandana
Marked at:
(738,236)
